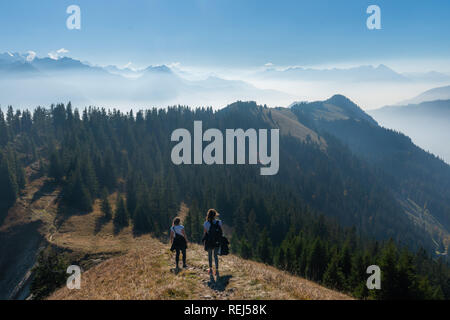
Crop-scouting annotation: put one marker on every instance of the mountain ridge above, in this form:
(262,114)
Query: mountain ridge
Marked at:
(329,203)
(337,107)
(389,145)
(353,74)
(439,93)
(426,123)
(124,266)
(48,79)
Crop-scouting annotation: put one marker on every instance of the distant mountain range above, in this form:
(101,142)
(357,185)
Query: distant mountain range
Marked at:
(49,79)
(18,64)
(46,80)
(366,73)
(427,123)
(440,93)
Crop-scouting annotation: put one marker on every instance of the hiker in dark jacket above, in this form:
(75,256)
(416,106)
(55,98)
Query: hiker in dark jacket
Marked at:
(212,234)
(179,241)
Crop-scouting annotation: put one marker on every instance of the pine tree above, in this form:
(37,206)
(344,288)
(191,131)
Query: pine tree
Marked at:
(291,261)
(235,243)
(106,207)
(20,173)
(245,250)
(10,120)
(333,276)
(411,286)
(8,184)
(76,194)
(55,169)
(251,229)
(302,261)
(264,248)
(193,223)
(345,260)
(108,177)
(3,130)
(389,275)
(316,261)
(357,280)
(280,260)
(49,273)
(132,194)
(142,220)
(89,177)
(121,215)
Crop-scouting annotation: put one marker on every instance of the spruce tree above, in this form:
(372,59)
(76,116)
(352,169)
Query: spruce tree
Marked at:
(142,220)
(389,275)
(20,173)
(264,248)
(316,261)
(356,282)
(132,194)
(333,276)
(89,177)
(8,184)
(245,250)
(55,169)
(3,130)
(106,207)
(121,218)
(10,119)
(76,194)
(235,243)
(280,260)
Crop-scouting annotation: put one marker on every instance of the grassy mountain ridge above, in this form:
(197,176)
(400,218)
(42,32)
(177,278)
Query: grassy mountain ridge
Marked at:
(123,266)
(319,218)
(144,272)
(411,172)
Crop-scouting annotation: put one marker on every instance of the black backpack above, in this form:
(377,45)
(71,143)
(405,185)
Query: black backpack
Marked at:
(214,235)
(224,248)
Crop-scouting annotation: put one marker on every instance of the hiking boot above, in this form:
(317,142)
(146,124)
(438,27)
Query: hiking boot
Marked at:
(185,266)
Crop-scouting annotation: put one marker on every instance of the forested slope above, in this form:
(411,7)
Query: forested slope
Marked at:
(326,216)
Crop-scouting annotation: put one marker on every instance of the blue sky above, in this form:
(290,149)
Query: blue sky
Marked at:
(228,33)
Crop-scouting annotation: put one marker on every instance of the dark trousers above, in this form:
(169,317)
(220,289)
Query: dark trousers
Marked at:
(177,256)
(215,252)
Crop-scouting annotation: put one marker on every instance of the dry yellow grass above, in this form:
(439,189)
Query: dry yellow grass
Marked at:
(142,267)
(36,203)
(145,270)
(79,233)
(145,273)
(288,124)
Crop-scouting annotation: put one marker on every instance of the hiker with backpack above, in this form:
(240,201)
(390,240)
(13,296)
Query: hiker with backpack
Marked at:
(179,242)
(212,237)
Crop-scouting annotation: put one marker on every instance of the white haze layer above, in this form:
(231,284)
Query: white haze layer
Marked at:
(127,88)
